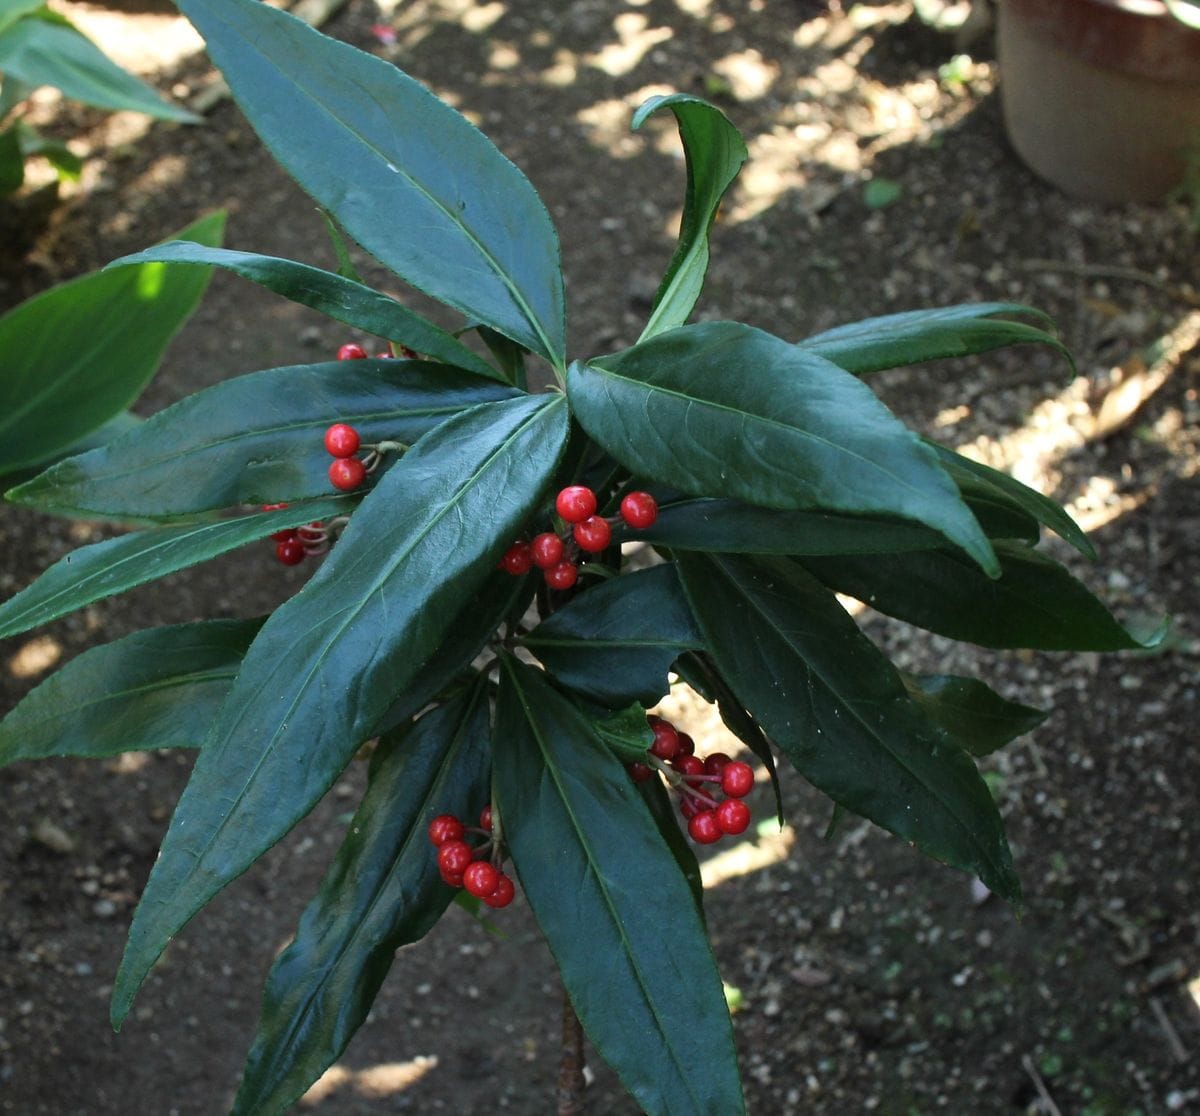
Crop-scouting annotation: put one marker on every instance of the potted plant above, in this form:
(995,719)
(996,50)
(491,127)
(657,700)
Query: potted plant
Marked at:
(1102,97)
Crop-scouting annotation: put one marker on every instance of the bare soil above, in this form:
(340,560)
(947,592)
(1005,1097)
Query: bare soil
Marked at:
(871,979)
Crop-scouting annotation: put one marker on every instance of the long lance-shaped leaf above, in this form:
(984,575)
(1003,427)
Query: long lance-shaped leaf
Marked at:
(81,352)
(714,151)
(840,712)
(159,688)
(616,642)
(978,718)
(382,891)
(666,817)
(895,340)
(328,663)
(408,177)
(107,568)
(605,890)
(1034,603)
(342,299)
(722,409)
(256,438)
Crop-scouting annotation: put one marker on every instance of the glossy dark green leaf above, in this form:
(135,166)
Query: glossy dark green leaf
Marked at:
(328,663)
(408,177)
(1034,603)
(382,892)
(609,897)
(722,409)
(342,299)
(41,52)
(978,718)
(839,711)
(158,688)
(256,438)
(981,482)
(616,642)
(661,805)
(895,340)
(714,151)
(107,568)
(627,732)
(81,352)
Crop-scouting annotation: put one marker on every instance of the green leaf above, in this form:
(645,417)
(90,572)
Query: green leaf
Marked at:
(616,642)
(978,718)
(341,249)
(158,688)
(627,732)
(722,409)
(39,52)
(382,892)
(608,897)
(81,352)
(12,160)
(840,712)
(329,662)
(256,438)
(342,299)
(979,482)
(107,568)
(895,340)
(714,151)
(13,10)
(405,175)
(1034,603)
(659,802)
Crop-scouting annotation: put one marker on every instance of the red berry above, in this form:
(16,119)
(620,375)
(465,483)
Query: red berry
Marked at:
(385,355)
(480,879)
(351,351)
(346,473)
(454,858)
(485,818)
(454,879)
(547,550)
(562,576)
(666,739)
(517,559)
(503,895)
(575,503)
(290,551)
(715,763)
(640,772)
(445,827)
(273,507)
(733,815)
(341,440)
(689,767)
(639,509)
(687,746)
(283,536)
(737,779)
(593,534)
(704,828)
(689,807)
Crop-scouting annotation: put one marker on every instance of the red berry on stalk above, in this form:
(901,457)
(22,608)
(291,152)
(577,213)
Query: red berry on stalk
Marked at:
(485,818)
(593,534)
(290,551)
(704,828)
(640,772)
(716,762)
(562,576)
(283,536)
(445,827)
(689,807)
(517,560)
(342,440)
(687,746)
(737,780)
(689,767)
(347,473)
(575,503)
(666,739)
(454,858)
(639,509)
(480,879)
(733,815)
(503,895)
(547,550)
(351,351)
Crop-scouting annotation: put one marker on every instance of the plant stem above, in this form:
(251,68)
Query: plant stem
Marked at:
(570,1070)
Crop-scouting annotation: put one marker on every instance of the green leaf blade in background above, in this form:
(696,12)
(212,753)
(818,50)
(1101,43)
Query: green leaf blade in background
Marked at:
(722,409)
(333,657)
(344,300)
(81,352)
(256,438)
(386,158)
(624,929)
(104,569)
(978,718)
(714,151)
(382,892)
(915,336)
(838,709)
(158,688)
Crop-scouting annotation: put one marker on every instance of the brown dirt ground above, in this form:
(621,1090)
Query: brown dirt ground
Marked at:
(872,979)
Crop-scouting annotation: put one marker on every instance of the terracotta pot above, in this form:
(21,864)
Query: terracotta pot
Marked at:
(1100,97)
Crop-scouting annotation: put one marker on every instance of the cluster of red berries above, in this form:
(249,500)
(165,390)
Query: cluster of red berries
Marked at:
(346,472)
(461,865)
(698,781)
(351,351)
(557,554)
(294,544)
